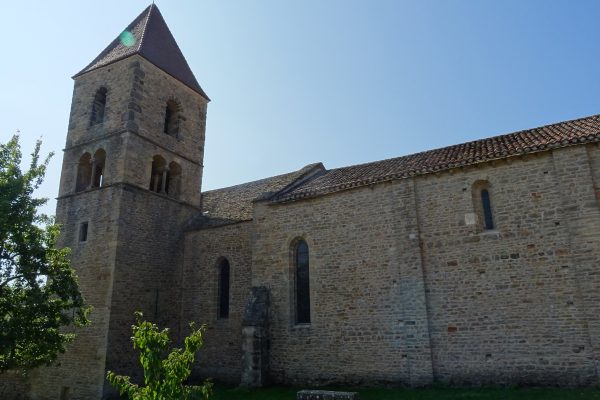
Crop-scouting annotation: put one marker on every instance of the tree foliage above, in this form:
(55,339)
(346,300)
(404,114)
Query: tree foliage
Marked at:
(39,295)
(163,378)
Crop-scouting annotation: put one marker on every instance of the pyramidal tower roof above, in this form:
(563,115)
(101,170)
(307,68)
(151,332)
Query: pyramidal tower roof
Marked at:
(149,36)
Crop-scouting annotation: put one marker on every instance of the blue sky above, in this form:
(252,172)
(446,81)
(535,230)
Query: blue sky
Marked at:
(337,81)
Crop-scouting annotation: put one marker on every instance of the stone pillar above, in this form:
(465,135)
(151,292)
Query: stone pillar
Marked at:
(326,395)
(255,338)
(155,185)
(93,162)
(417,360)
(163,186)
(581,215)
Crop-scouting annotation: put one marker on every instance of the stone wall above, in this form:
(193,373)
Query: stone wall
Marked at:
(368,310)
(221,356)
(395,264)
(13,386)
(81,368)
(147,274)
(504,305)
(590,279)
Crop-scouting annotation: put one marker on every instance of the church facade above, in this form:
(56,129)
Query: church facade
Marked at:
(475,264)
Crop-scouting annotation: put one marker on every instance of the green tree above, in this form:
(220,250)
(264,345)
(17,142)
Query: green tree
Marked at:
(39,295)
(163,378)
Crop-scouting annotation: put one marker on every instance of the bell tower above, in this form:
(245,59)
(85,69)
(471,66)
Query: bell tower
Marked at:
(131,180)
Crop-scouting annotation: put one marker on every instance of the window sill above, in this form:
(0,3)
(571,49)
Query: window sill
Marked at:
(302,327)
(490,233)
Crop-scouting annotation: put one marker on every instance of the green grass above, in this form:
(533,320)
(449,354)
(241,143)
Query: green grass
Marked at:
(286,393)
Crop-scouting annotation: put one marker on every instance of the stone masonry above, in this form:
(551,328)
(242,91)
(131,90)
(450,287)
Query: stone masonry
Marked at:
(325,395)
(474,264)
(255,339)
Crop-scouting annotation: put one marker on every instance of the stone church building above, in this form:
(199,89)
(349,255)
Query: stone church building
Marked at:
(476,263)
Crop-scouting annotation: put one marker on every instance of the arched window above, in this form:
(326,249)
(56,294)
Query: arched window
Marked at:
(302,285)
(84,172)
(483,205)
(98,163)
(158,177)
(172,118)
(488,221)
(224,272)
(98,107)
(173,180)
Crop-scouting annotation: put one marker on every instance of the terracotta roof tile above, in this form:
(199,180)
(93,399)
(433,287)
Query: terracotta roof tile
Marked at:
(528,141)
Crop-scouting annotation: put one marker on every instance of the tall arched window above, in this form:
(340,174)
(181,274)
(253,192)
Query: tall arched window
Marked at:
(302,284)
(84,172)
(172,118)
(224,277)
(482,205)
(98,163)
(488,221)
(98,107)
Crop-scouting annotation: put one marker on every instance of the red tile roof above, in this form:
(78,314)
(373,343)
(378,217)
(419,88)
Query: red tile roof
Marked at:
(583,130)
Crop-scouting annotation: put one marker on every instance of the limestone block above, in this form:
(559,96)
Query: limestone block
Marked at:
(325,395)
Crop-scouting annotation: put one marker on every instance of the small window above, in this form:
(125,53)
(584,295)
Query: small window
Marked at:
(224,272)
(302,292)
(488,221)
(98,107)
(83,232)
(482,205)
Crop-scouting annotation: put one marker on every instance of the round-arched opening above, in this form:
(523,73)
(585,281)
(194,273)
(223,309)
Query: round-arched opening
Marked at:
(98,107)
(158,177)
(172,118)
(84,172)
(300,254)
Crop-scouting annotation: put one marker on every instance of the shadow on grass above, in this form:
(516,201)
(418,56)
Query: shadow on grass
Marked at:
(288,393)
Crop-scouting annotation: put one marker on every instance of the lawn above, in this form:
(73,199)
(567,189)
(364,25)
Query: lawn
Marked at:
(283,393)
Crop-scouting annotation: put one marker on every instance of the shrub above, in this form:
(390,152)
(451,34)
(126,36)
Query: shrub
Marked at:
(163,378)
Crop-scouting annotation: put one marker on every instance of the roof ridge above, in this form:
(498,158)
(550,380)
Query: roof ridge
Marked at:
(528,141)
(312,171)
(258,180)
(503,135)
(142,36)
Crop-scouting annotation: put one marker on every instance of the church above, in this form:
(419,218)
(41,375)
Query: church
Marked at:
(473,264)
